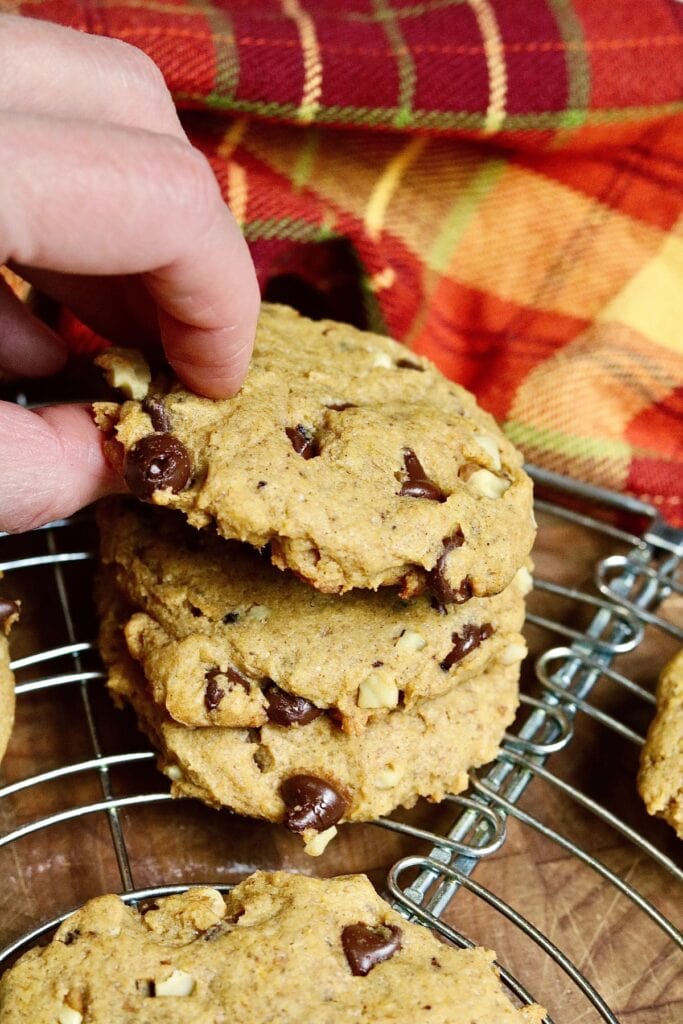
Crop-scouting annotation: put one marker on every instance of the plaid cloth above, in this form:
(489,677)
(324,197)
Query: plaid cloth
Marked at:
(496,182)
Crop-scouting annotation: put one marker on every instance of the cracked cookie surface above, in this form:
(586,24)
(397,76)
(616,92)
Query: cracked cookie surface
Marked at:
(356,461)
(226,640)
(249,957)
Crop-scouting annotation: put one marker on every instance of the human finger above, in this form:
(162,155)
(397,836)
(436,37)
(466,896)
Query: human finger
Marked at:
(51,464)
(126,201)
(28,348)
(57,71)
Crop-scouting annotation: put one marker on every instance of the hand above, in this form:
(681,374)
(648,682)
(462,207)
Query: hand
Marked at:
(106,207)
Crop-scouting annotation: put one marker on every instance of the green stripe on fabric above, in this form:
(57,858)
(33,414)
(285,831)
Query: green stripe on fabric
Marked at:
(436,119)
(225,51)
(305,161)
(407,78)
(289,228)
(570,445)
(462,212)
(414,11)
(576,59)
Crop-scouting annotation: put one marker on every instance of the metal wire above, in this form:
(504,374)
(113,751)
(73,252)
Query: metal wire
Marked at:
(632,586)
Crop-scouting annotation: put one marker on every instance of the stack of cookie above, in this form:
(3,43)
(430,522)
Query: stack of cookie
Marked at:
(383,662)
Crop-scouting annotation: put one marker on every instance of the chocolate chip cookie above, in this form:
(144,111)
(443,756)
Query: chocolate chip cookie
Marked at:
(309,774)
(226,640)
(9,613)
(356,462)
(660,780)
(279,947)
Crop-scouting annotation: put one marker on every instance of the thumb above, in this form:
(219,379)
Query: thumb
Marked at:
(51,464)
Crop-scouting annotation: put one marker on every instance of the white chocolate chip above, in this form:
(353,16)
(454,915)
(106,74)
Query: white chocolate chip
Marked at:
(524,580)
(68,1016)
(127,370)
(513,653)
(173,772)
(384,360)
(179,983)
(376,691)
(490,446)
(317,844)
(487,484)
(388,777)
(258,613)
(410,641)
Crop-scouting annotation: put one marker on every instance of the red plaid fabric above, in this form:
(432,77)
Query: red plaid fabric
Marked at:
(496,182)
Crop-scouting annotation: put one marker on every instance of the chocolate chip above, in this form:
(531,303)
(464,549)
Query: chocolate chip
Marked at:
(71,937)
(418,485)
(215,692)
(196,612)
(336,717)
(436,964)
(157,461)
(144,906)
(303,441)
(465,642)
(406,364)
(158,413)
(230,618)
(8,608)
(366,946)
(261,484)
(340,406)
(311,803)
(441,588)
(287,708)
(377,664)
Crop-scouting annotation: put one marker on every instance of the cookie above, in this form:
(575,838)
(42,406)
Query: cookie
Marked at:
(357,462)
(9,613)
(226,640)
(279,947)
(660,779)
(312,776)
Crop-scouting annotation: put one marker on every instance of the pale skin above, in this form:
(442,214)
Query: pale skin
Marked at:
(105,206)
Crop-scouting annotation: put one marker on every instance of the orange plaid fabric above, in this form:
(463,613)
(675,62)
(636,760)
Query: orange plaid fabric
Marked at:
(498,183)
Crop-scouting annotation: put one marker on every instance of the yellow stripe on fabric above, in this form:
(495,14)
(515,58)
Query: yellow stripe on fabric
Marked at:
(495,64)
(651,302)
(313,65)
(238,192)
(462,211)
(305,161)
(388,182)
(407,78)
(571,445)
(233,137)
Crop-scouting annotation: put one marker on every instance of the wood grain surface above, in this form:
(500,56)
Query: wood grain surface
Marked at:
(626,956)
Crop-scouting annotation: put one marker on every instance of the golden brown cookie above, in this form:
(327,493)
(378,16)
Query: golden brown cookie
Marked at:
(312,776)
(226,640)
(357,462)
(279,947)
(660,780)
(9,613)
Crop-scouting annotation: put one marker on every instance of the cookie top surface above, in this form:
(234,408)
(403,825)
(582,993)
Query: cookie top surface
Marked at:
(424,751)
(660,779)
(250,958)
(225,639)
(357,461)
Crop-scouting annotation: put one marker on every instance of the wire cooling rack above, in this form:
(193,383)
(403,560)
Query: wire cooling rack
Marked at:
(575,687)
